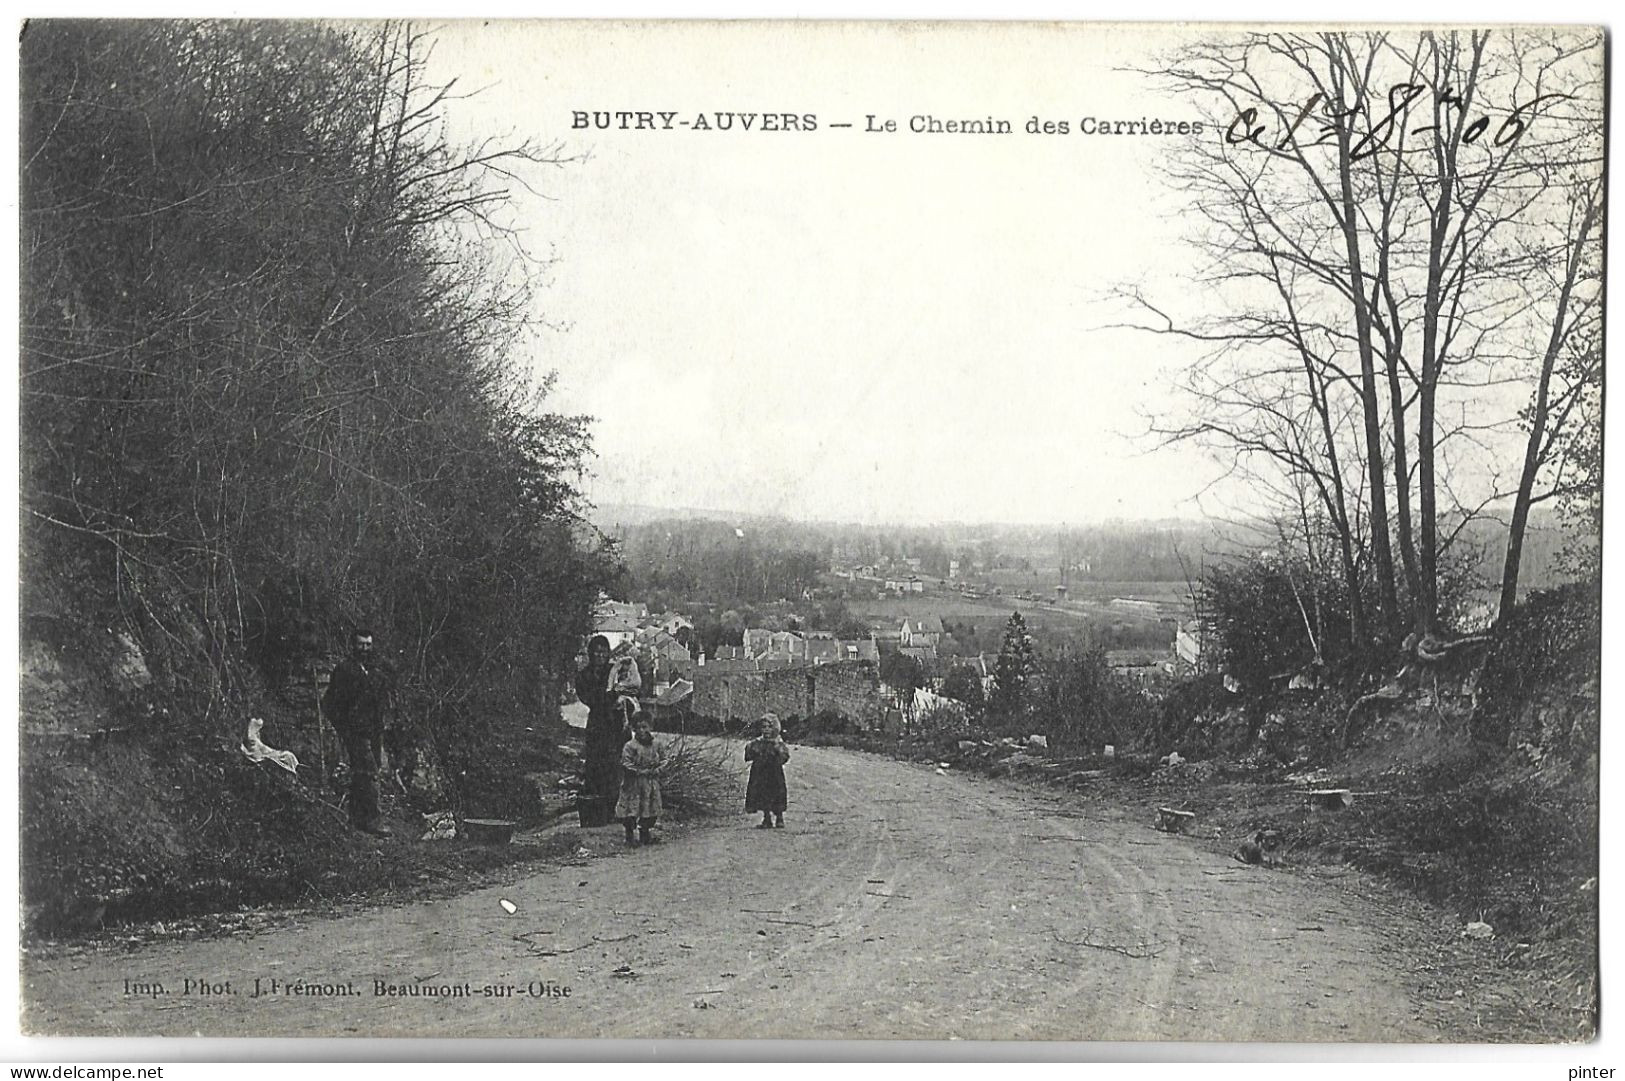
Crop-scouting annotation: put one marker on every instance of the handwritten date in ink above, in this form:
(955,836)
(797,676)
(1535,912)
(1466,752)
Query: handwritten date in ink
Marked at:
(1327,123)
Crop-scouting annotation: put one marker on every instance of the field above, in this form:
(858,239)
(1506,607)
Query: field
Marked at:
(986,616)
(1043,583)
(1169,592)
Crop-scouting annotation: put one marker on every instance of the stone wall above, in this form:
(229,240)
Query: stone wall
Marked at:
(737,694)
(850,689)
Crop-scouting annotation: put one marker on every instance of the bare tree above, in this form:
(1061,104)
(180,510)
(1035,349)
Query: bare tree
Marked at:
(1576,330)
(1372,209)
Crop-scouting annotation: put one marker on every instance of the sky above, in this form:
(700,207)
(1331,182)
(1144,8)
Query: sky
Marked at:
(843,324)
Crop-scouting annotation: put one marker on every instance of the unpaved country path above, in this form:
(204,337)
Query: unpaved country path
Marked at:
(896,903)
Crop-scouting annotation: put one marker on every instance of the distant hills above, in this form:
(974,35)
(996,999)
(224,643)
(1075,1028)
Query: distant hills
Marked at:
(1166,543)
(607,516)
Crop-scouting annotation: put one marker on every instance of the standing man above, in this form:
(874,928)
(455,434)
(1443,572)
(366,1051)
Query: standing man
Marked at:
(356,698)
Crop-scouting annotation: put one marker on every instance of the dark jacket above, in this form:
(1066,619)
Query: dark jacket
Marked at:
(357,695)
(606,732)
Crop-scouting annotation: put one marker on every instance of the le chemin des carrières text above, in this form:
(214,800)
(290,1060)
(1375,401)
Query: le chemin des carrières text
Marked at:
(918,124)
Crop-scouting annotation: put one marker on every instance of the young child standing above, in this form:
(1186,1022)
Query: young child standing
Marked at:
(639,804)
(767,754)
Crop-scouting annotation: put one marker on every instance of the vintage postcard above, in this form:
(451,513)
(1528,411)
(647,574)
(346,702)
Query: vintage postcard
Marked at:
(847,531)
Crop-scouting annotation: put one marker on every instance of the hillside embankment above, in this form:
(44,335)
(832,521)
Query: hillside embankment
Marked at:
(136,811)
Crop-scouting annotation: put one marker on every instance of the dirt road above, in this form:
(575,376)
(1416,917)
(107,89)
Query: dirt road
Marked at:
(896,903)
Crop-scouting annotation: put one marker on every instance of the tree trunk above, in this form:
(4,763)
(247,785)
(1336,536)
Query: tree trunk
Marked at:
(1381,554)
(1402,479)
(1537,421)
(1444,156)
(1427,592)
(1359,627)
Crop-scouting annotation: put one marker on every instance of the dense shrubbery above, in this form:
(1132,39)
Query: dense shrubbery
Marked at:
(271,373)
(1265,618)
(1185,701)
(1066,692)
(1546,653)
(273,387)
(963,685)
(1080,704)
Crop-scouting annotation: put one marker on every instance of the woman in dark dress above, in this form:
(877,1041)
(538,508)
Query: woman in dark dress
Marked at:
(767,754)
(601,685)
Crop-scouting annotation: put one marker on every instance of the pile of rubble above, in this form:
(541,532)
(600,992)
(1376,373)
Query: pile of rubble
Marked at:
(1174,769)
(1000,756)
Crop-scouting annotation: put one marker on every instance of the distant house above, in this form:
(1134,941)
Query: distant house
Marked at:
(1127,604)
(824,651)
(617,621)
(787,645)
(670,657)
(776,646)
(617,629)
(926,631)
(631,612)
(671,623)
(926,655)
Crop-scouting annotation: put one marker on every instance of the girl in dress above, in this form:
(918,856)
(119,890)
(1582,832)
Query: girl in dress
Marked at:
(639,804)
(767,754)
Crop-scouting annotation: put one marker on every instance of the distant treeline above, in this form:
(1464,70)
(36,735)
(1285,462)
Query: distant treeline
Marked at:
(764,559)
(757,560)
(721,562)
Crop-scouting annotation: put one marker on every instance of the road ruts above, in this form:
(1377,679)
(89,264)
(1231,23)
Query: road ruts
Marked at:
(897,903)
